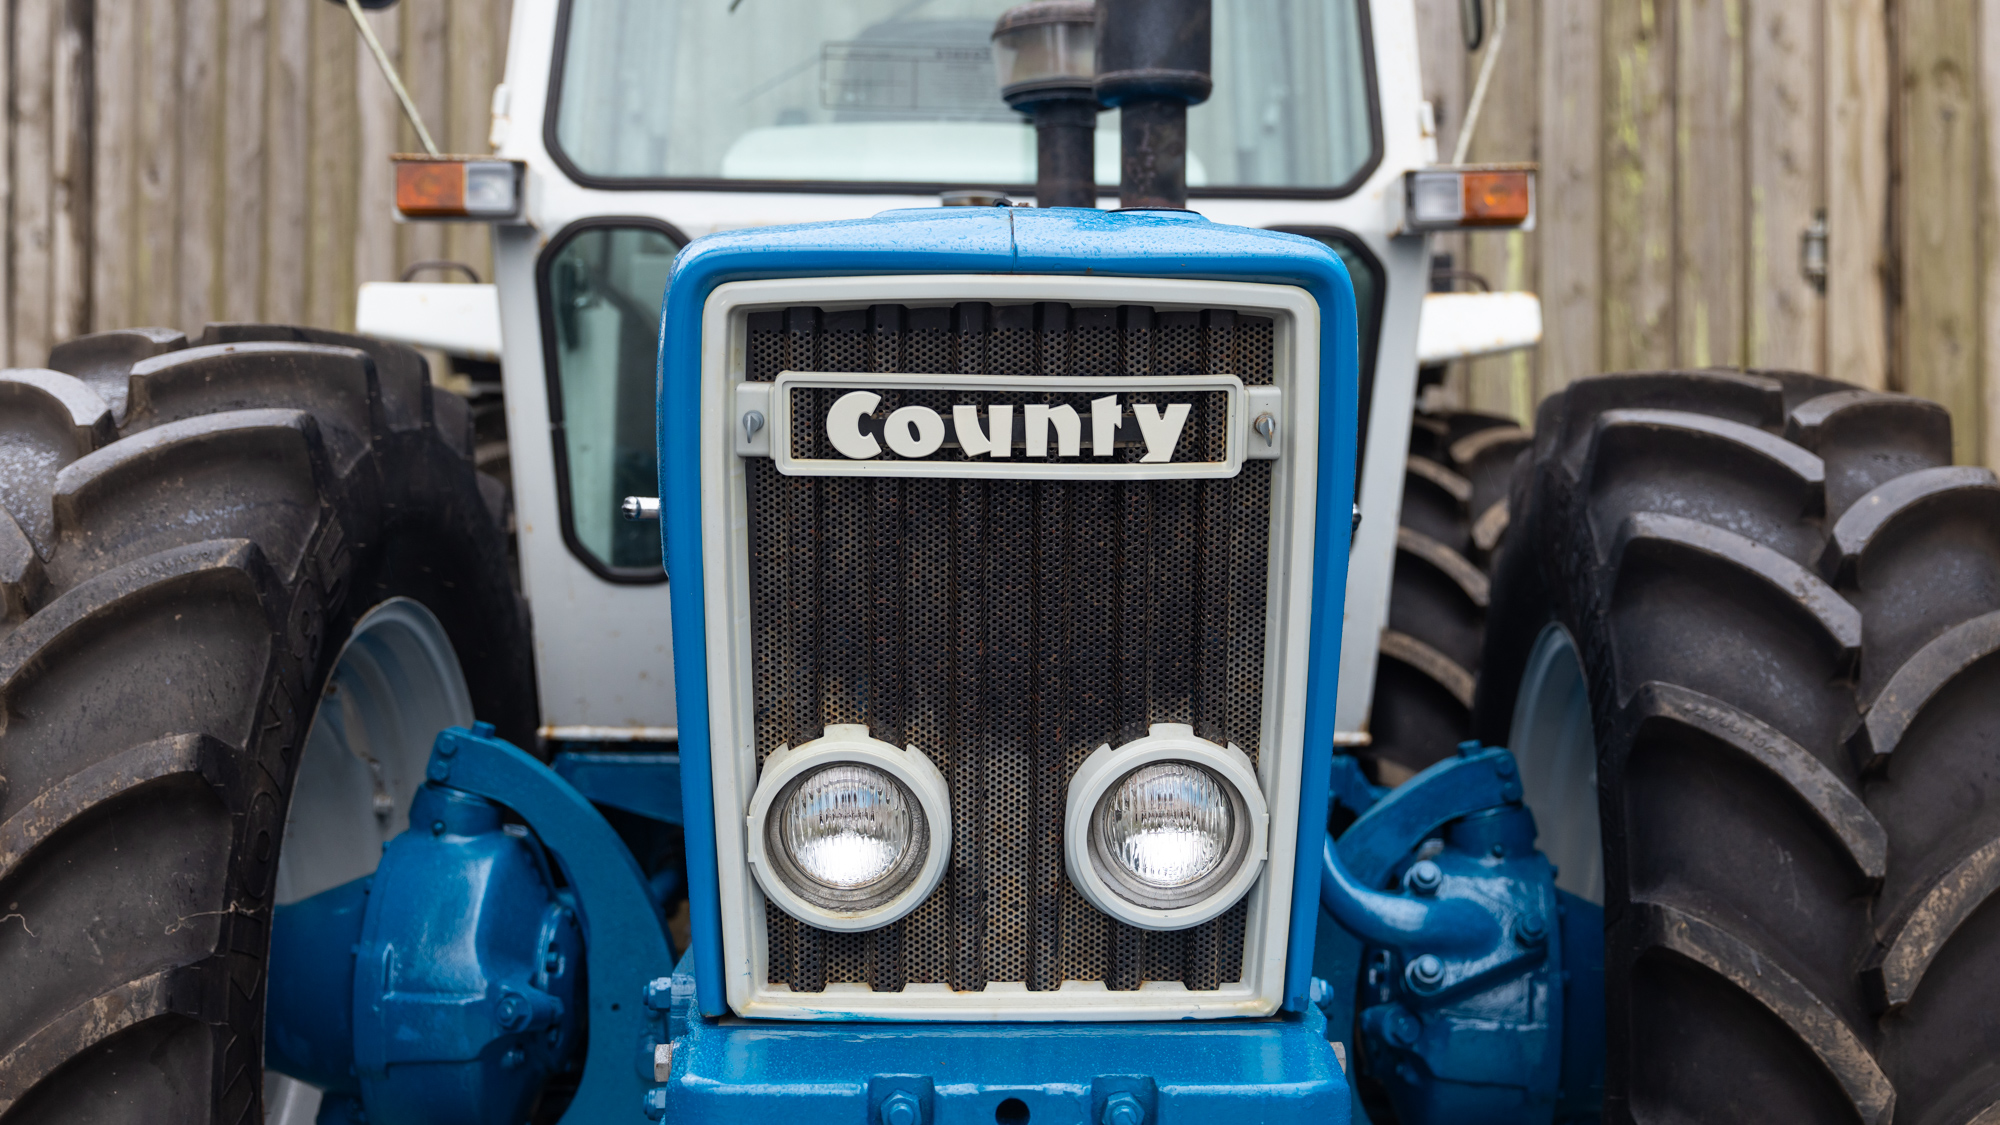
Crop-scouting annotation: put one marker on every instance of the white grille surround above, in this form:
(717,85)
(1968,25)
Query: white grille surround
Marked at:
(727,602)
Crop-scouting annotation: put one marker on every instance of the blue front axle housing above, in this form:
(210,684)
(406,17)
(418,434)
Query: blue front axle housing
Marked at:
(476,984)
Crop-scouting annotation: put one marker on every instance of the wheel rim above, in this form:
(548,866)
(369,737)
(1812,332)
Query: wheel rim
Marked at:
(395,684)
(1556,746)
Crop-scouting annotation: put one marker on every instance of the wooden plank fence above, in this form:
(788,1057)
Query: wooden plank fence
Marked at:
(1685,147)
(179,161)
(173,162)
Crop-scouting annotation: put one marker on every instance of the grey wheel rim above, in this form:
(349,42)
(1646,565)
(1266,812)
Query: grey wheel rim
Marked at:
(1553,740)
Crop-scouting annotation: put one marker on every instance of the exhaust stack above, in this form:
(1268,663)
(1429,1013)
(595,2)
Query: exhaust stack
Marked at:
(1043,52)
(1153,63)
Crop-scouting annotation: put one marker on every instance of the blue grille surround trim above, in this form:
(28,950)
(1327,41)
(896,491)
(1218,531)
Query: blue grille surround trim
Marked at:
(1055,241)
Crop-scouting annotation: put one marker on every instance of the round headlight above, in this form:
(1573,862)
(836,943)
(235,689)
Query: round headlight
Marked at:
(847,827)
(1166,831)
(1166,825)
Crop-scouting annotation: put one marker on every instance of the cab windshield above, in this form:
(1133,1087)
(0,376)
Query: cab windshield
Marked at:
(902,92)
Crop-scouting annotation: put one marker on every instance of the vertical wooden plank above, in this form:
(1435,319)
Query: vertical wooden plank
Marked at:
(473,33)
(378,120)
(29,230)
(199,121)
(1858,97)
(1784,168)
(1570,217)
(1446,77)
(156,217)
(1447,82)
(7,178)
(287,253)
(71,212)
(1709,183)
(426,73)
(1638,242)
(114,100)
(243,160)
(1989,90)
(331,178)
(1941,165)
(1507,131)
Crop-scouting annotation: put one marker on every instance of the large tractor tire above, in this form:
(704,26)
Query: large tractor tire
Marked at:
(190,536)
(1773,606)
(1453,518)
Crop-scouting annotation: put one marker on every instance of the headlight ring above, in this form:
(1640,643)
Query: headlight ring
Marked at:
(1185,809)
(848,833)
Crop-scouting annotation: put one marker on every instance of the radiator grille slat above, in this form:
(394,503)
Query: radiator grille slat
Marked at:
(1008,628)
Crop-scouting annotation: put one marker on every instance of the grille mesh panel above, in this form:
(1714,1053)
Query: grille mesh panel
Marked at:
(1007,629)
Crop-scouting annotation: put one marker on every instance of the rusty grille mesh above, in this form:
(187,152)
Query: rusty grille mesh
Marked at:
(1007,629)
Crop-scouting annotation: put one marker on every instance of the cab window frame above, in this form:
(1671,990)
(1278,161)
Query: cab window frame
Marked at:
(552,374)
(552,144)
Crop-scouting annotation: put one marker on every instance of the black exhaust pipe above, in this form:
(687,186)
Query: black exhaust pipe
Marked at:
(1043,54)
(1152,64)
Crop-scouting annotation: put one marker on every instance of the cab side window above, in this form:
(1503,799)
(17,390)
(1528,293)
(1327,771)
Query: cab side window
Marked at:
(602,285)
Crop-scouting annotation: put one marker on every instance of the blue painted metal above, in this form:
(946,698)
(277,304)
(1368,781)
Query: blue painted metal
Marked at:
(1212,1072)
(648,785)
(1054,241)
(309,1000)
(460,969)
(1463,1006)
(621,930)
(1582,1092)
(1476,779)
(1350,788)
(445,987)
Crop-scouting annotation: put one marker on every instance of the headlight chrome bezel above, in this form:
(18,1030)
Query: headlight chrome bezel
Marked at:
(910,880)
(1108,887)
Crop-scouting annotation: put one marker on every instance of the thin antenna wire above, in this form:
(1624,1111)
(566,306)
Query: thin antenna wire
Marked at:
(1478,88)
(403,96)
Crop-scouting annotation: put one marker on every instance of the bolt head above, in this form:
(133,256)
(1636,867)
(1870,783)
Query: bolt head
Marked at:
(1529,929)
(900,1108)
(1424,877)
(1123,1109)
(513,1059)
(659,994)
(656,1103)
(1425,974)
(513,1011)
(1403,1029)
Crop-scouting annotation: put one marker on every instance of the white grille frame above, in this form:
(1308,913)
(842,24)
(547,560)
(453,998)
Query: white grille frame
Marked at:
(727,626)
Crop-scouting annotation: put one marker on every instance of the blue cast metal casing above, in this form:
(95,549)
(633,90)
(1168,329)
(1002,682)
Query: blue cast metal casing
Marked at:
(1054,241)
(443,988)
(1271,1072)
(1476,995)
(448,986)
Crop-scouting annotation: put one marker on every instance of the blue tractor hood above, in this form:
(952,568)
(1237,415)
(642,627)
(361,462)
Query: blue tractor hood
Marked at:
(1001,240)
